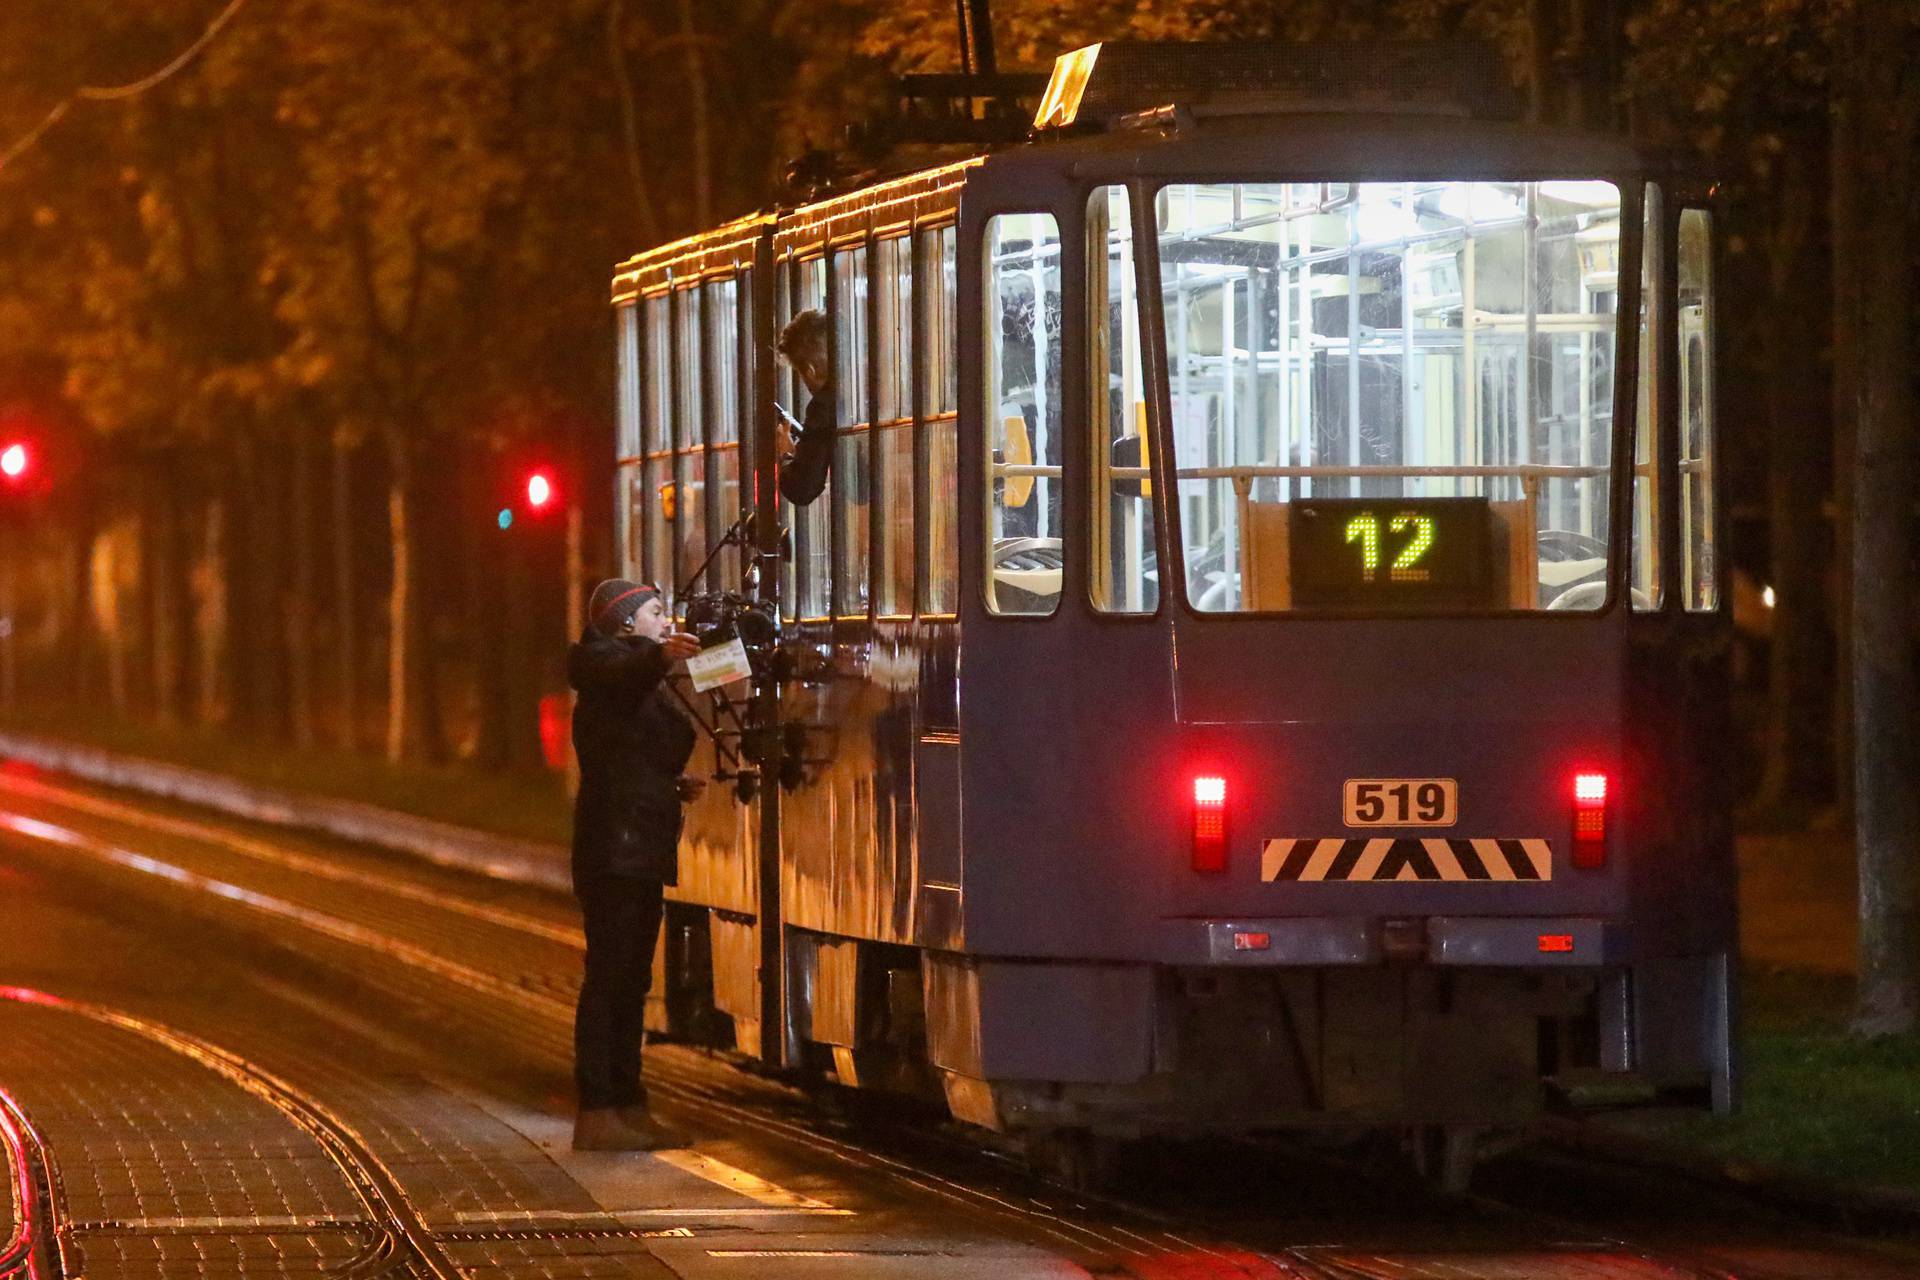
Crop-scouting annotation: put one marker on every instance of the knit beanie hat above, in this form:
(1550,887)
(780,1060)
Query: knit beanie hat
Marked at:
(614,603)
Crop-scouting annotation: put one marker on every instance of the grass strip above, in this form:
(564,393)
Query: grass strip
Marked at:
(528,804)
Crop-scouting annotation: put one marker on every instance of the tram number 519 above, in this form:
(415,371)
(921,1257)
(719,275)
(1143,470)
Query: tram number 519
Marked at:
(1401,802)
(1365,529)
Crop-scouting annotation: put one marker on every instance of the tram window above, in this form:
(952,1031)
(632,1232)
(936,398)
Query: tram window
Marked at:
(939,408)
(1023,354)
(1648,586)
(852,461)
(657,443)
(1124,575)
(784,382)
(812,548)
(627,508)
(723,424)
(1694,332)
(893,427)
(689,447)
(1392,341)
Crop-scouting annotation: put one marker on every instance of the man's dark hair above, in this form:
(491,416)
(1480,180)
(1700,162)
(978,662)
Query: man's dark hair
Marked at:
(803,335)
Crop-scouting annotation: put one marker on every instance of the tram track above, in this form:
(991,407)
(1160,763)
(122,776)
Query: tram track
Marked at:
(401,1244)
(35,1244)
(1117,1229)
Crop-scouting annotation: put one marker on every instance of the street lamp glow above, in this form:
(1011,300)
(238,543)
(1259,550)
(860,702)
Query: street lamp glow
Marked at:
(13,461)
(539,490)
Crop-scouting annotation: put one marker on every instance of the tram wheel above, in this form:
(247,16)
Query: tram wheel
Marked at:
(1077,1159)
(1444,1156)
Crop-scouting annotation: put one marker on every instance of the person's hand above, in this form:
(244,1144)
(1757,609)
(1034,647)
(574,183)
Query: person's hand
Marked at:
(783,444)
(690,786)
(679,646)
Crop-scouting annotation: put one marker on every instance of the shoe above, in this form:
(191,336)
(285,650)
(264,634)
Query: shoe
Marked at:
(639,1120)
(601,1130)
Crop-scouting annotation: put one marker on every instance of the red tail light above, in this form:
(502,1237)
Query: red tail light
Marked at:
(1209,824)
(1590,820)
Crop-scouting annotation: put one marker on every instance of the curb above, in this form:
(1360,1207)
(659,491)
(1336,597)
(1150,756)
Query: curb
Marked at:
(530,862)
(1853,1204)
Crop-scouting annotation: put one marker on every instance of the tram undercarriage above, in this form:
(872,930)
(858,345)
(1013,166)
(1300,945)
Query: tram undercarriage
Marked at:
(1122,1051)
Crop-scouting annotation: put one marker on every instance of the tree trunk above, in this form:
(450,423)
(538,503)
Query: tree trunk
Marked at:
(406,656)
(346,601)
(165,591)
(210,613)
(1886,472)
(1842,221)
(1798,692)
(698,105)
(484,543)
(80,645)
(300,612)
(239,561)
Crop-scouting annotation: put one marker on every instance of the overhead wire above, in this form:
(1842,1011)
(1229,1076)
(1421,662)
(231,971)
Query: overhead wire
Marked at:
(115,93)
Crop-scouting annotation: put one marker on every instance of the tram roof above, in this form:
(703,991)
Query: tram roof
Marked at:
(1174,144)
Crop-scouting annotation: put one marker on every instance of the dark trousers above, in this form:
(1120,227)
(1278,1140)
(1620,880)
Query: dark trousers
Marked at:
(622,925)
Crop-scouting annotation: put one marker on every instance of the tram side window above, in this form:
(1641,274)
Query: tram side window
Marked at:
(656,442)
(893,427)
(939,409)
(812,547)
(1648,585)
(1125,577)
(852,460)
(629,509)
(1023,354)
(784,383)
(723,426)
(1694,331)
(689,454)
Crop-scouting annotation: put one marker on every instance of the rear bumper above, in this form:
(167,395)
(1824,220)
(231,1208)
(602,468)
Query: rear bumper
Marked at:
(1552,942)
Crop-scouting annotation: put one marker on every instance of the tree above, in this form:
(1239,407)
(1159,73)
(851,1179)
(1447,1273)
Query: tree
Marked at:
(1879,43)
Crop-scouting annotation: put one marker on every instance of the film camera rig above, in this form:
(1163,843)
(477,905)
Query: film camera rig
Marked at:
(748,737)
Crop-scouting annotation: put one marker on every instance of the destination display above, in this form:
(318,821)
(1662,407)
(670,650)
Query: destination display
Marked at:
(1393,553)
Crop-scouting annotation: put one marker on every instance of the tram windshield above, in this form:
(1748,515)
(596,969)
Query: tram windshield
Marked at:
(1392,396)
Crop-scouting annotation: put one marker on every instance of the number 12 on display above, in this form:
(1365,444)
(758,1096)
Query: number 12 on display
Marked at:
(1365,530)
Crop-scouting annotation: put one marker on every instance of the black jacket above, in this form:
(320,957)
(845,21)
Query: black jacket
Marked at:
(632,742)
(804,475)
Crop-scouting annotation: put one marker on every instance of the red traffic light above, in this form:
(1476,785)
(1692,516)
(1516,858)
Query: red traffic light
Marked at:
(15,459)
(539,490)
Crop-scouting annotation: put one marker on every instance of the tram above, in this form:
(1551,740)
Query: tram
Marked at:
(1261,660)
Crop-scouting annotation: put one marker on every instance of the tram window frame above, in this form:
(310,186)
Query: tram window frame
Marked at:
(1614,503)
(936,263)
(657,464)
(1698,473)
(784,383)
(1043,432)
(1646,558)
(721,386)
(1103,592)
(689,440)
(851,309)
(628,512)
(811,523)
(892,480)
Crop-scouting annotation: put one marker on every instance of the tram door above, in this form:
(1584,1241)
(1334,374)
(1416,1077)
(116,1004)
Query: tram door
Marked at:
(1681,663)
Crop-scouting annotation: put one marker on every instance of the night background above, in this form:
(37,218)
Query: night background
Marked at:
(296,296)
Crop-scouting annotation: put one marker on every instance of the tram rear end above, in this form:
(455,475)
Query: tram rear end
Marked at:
(1384,599)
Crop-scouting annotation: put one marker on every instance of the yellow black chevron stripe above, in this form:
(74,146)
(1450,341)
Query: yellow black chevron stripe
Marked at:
(1388,859)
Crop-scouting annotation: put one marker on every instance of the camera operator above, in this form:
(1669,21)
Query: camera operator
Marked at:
(632,743)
